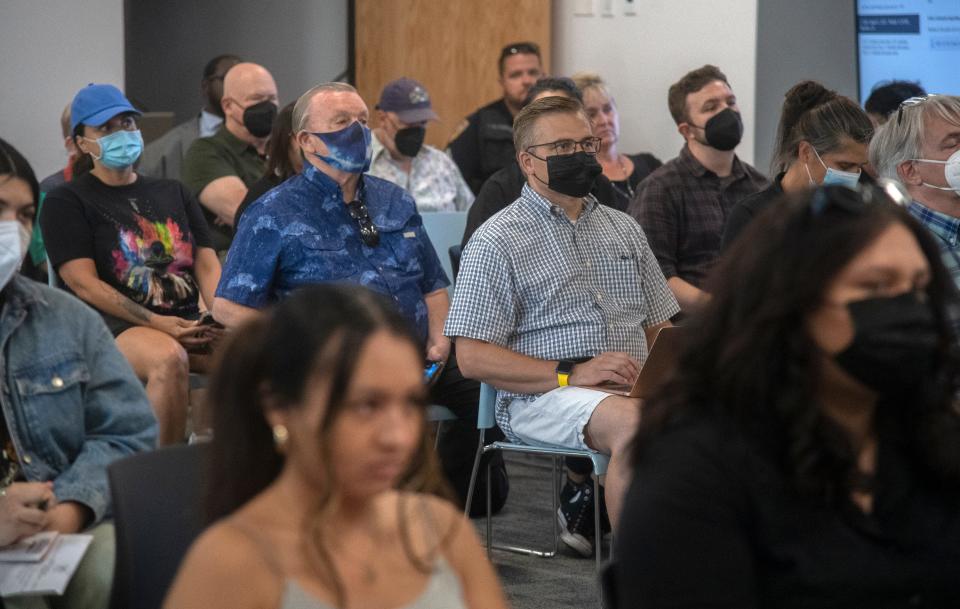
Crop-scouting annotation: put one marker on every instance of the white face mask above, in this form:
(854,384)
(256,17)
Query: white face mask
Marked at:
(951,171)
(14,240)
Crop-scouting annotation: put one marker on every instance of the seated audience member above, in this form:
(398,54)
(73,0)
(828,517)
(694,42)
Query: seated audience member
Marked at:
(920,148)
(219,169)
(72,406)
(322,480)
(163,157)
(683,205)
(623,170)
(483,142)
(283,160)
(886,97)
(35,264)
(400,156)
(136,249)
(332,223)
(805,453)
(559,290)
(64,175)
(504,186)
(822,139)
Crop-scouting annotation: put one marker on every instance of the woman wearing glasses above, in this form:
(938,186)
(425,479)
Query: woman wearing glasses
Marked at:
(135,248)
(625,171)
(323,482)
(822,139)
(806,452)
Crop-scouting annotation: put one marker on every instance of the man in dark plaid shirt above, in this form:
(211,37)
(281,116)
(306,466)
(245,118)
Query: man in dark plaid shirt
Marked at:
(683,205)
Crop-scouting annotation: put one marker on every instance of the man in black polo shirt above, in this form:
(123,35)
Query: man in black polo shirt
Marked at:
(219,169)
(483,143)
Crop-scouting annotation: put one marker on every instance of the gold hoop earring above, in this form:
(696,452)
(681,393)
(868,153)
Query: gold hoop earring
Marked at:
(280,436)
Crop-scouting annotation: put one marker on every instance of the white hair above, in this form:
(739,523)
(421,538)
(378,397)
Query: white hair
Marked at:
(301,114)
(901,137)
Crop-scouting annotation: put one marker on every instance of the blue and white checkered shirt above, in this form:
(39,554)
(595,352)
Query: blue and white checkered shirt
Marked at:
(946,229)
(538,284)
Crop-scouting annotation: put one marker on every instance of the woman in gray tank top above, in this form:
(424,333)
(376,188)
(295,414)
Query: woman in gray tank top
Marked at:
(323,489)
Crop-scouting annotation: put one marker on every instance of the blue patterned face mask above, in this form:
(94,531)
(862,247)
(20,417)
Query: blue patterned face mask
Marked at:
(350,148)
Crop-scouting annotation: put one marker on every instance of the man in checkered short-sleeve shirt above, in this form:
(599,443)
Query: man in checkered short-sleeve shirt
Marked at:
(553,279)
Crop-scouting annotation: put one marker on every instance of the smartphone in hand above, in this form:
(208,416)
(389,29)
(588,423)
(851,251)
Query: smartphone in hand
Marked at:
(432,372)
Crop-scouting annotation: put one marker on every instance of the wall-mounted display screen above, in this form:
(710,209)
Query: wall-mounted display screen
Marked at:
(915,40)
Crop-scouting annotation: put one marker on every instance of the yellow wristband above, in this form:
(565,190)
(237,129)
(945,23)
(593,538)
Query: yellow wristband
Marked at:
(563,379)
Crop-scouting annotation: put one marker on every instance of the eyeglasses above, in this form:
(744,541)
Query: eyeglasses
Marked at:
(909,103)
(527,48)
(368,231)
(590,145)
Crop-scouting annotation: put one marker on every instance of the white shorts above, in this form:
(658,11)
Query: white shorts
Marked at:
(556,418)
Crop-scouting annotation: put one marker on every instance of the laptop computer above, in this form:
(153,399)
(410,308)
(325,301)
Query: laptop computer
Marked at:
(663,356)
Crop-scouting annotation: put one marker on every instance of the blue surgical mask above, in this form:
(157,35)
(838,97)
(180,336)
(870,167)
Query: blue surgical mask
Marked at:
(350,148)
(850,179)
(119,149)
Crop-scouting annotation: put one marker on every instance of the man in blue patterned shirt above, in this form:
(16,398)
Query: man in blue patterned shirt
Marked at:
(556,291)
(333,222)
(920,147)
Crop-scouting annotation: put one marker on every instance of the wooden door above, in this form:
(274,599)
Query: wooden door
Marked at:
(452,47)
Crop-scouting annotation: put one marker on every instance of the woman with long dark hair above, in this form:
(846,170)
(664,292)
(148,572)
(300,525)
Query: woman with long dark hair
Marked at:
(322,482)
(806,451)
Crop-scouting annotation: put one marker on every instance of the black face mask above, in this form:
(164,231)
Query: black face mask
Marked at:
(409,140)
(894,346)
(572,174)
(258,118)
(724,130)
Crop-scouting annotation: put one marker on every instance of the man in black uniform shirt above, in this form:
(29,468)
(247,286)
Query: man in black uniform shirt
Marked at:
(483,143)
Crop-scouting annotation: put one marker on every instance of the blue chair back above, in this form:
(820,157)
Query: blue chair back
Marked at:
(445,228)
(486,413)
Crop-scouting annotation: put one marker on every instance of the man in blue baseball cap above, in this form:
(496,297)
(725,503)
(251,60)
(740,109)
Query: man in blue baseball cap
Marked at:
(400,156)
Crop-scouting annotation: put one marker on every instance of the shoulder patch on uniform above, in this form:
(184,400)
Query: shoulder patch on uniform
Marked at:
(458,130)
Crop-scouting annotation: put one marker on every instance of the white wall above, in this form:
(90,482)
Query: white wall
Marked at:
(51,49)
(641,56)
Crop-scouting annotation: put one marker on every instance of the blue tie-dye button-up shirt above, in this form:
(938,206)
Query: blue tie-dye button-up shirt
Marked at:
(301,233)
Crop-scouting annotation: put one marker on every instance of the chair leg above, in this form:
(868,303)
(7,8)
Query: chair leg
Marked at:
(473,475)
(596,520)
(556,503)
(436,437)
(489,517)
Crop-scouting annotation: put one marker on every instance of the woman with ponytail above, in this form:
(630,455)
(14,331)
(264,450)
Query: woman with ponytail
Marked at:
(322,484)
(822,139)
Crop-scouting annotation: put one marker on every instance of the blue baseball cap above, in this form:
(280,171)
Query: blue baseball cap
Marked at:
(96,104)
(408,99)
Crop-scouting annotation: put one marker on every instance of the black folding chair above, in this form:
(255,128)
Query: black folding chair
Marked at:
(157,507)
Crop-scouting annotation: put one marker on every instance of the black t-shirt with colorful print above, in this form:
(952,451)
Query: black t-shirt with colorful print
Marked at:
(142,237)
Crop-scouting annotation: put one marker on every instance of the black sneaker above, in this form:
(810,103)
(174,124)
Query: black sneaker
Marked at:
(576,517)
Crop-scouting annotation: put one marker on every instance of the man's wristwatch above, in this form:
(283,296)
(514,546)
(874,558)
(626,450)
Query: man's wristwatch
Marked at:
(564,370)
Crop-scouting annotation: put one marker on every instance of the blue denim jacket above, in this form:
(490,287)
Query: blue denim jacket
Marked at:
(70,399)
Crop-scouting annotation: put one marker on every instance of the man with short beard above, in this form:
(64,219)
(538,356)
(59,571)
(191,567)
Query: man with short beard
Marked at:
(683,205)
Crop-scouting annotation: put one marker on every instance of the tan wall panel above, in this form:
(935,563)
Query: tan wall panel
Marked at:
(450,46)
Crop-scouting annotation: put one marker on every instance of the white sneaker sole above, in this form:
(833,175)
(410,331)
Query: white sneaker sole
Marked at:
(577,542)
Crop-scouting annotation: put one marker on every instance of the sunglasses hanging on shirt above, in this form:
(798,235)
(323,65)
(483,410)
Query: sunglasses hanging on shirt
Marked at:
(368,230)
